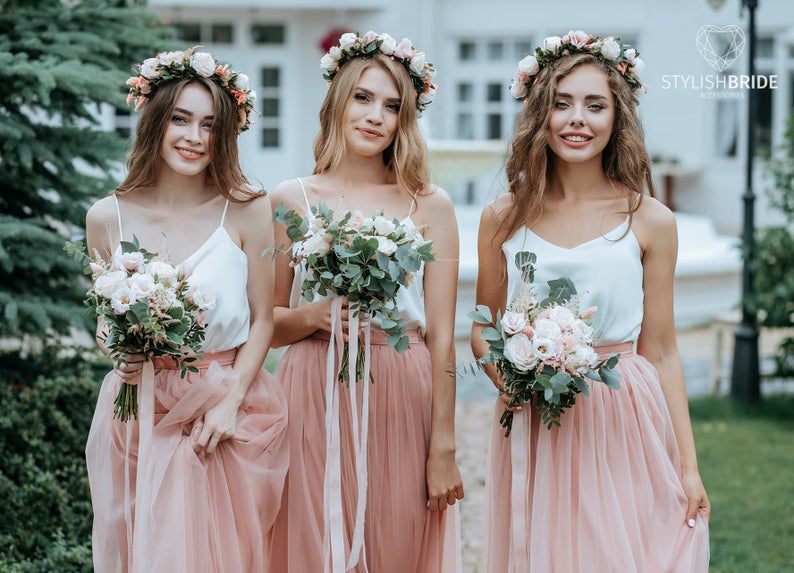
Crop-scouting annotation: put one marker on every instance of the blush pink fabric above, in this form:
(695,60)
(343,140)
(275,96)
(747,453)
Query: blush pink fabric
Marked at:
(192,512)
(400,534)
(601,493)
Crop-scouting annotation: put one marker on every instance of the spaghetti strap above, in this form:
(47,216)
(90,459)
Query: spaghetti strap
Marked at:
(225,208)
(118,215)
(413,203)
(305,197)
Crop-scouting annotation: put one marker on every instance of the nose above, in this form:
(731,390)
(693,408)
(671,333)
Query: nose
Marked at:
(577,115)
(375,114)
(193,132)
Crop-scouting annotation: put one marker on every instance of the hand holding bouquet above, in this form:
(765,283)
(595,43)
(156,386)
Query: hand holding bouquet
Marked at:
(148,306)
(366,259)
(543,350)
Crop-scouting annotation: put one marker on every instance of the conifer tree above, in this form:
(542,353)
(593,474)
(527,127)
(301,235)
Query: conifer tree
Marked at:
(59,61)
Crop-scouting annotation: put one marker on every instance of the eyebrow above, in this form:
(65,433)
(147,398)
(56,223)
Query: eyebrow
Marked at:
(589,96)
(190,113)
(369,93)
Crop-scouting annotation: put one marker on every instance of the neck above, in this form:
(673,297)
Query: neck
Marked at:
(175,190)
(577,182)
(359,170)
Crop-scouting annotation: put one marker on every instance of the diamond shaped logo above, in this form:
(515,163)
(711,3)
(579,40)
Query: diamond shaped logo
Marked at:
(720,46)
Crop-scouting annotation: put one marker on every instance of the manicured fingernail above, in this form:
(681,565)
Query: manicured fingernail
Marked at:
(519,408)
(691,523)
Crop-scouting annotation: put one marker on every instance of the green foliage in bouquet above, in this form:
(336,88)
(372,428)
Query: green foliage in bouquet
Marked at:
(357,260)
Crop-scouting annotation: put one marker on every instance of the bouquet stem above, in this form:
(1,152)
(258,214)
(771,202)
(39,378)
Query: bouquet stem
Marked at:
(126,402)
(342,375)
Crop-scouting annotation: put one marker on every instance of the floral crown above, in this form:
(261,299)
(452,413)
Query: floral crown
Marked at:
(191,64)
(609,50)
(351,45)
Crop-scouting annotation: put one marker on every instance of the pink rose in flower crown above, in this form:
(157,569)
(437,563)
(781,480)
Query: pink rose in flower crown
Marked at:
(370,37)
(578,38)
(403,49)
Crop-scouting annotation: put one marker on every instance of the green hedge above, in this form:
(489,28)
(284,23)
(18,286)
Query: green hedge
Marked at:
(45,514)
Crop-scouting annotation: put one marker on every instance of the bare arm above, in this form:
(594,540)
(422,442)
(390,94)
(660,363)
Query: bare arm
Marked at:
(444,482)
(656,230)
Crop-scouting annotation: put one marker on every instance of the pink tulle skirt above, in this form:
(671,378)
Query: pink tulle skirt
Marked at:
(600,494)
(401,535)
(194,512)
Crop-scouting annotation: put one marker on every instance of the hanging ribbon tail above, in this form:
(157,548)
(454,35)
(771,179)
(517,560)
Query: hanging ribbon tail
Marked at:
(333,541)
(357,546)
(141,534)
(519,560)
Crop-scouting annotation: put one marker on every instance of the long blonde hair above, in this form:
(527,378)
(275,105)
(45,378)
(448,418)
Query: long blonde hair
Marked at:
(224,171)
(406,157)
(530,163)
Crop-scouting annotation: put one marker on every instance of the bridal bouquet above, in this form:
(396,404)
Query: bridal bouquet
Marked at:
(543,350)
(148,306)
(366,259)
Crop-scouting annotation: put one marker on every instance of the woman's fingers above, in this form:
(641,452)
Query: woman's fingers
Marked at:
(128,366)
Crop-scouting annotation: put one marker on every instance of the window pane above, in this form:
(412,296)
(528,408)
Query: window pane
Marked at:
(271,77)
(188,32)
(494,126)
(223,33)
(270,107)
(763,120)
(270,137)
(465,126)
(495,92)
(766,47)
(267,33)
(495,50)
(467,51)
(524,48)
(464,92)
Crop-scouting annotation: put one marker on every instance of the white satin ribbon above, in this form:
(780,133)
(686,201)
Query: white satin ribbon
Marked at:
(140,528)
(519,445)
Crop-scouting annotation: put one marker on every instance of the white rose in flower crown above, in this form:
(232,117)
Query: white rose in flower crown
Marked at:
(328,63)
(369,37)
(347,40)
(165,273)
(520,352)
(552,44)
(168,58)
(610,49)
(386,246)
(418,63)
(149,68)
(388,44)
(404,49)
(529,65)
(430,73)
(318,244)
(383,226)
(630,54)
(335,52)
(578,38)
(106,285)
(639,66)
(203,63)
(513,322)
(130,261)
(242,82)
(519,86)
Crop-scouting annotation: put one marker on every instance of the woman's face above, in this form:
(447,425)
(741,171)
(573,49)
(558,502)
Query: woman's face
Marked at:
(370,120)
(583,115)
(185,148)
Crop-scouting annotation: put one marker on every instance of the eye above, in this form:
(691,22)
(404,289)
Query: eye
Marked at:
(178,119)
(361,97)
(395,107)
(596,106)
(561,104)
(207,125)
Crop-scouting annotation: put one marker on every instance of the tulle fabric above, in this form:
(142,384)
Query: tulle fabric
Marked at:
(400,534)
(206,513)
(603,492)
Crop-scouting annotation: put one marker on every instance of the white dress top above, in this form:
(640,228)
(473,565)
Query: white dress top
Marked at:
(410,299)
(606,271)
(219,269)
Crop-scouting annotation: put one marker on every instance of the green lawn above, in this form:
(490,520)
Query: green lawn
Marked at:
(746,458)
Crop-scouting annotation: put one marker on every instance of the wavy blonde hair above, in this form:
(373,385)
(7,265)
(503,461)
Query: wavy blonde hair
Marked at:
(406,157)
(224,171)
(530,163)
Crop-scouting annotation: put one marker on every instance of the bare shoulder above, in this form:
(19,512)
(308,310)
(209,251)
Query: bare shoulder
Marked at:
(495,212)
(103,212)
(435,201)
(654,221)
(288,193)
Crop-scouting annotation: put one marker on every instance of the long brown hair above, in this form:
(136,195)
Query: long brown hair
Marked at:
(530,163)
(406,157)
(224,171)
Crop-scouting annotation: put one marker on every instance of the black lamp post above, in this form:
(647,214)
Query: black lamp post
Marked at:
(745,381)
